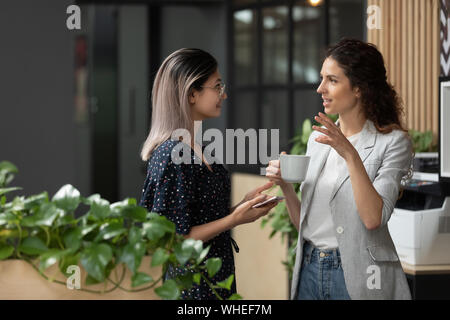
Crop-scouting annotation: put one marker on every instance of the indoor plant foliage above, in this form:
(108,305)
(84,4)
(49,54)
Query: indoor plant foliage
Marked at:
(69,229)
(422,141)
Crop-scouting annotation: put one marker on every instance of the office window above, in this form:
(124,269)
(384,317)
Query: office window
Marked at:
(275,110)
(245,49)
(309,41)
(275,44)
(276,53)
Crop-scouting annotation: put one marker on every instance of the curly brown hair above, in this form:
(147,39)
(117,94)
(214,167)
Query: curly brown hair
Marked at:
(364,65)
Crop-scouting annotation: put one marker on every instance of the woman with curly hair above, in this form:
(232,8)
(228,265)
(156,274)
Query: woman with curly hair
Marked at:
(344,249)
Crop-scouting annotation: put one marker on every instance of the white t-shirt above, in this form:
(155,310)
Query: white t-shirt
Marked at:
(318,227)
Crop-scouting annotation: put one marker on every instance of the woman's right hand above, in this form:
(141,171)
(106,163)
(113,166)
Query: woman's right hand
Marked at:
(273,172)
(244,213)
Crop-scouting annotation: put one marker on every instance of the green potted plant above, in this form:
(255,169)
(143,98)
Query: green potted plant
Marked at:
(102,238)
(422,141)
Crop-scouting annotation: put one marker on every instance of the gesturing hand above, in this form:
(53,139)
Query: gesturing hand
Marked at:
(333,136)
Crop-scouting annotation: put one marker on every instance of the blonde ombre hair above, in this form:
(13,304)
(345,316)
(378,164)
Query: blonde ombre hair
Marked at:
(180,73)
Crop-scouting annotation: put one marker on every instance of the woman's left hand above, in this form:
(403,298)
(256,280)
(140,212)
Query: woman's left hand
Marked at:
(334,137)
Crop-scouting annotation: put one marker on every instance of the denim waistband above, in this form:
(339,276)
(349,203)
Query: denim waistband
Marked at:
(312,253)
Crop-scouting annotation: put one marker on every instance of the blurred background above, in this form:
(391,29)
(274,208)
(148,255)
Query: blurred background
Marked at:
(75,104)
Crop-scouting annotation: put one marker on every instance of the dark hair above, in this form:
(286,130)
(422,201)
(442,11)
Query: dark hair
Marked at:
(195,62)
(363,64)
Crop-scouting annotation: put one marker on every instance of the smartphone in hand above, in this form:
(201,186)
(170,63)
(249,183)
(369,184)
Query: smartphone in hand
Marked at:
(268,201)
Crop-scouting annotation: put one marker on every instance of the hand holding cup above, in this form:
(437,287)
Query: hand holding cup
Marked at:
(288,169)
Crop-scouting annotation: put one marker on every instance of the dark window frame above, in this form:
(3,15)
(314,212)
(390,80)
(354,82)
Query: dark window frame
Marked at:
(259,88)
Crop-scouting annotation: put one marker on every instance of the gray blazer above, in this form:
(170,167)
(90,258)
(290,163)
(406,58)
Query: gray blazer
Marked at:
(370,262)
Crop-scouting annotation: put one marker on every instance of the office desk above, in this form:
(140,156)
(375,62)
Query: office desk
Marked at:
(428,281)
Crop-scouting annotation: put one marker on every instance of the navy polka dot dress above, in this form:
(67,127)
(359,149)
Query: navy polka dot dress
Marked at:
(190,195)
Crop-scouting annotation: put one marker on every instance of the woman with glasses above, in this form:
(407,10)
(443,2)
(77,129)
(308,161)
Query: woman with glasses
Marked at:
(195,196)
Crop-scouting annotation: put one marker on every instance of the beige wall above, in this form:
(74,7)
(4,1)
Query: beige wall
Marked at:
(19,281)
(259,272)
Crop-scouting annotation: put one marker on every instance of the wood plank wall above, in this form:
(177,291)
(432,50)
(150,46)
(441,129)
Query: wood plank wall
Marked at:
(410,43)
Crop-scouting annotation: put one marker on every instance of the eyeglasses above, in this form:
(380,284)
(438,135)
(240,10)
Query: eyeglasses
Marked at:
(220,88)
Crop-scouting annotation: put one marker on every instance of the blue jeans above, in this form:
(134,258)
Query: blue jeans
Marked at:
(321,275)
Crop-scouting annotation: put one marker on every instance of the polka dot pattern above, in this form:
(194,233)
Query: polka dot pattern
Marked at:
(190,195)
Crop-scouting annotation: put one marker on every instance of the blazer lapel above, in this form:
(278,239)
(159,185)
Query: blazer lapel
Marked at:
(318,156)
(364,146)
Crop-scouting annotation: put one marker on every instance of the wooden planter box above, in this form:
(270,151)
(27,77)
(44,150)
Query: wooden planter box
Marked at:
(19,280)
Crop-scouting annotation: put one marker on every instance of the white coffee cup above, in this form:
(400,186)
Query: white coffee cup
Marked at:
(294,167)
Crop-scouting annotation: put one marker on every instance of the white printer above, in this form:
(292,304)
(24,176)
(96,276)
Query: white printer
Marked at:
(420,223)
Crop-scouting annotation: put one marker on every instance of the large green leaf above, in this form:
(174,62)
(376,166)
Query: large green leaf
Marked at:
(6,251)
(213,265)
(197,245)
(226,284)
(131,255)
(235,296)
(187,249)
(45,216)
(7,217)
(36,200)
(117,208)
(95,259)
(159,257)
(110,230)
(134,235)
(203,254)
(6,190)
(157,227)
(51,257)
(33,246)
(90,280)
(168,291)
(8,167)
(7,171)
(135,212)
(18,204)
(197,277)
(153,230)
(100,209)
(140,278)
(66,261)
(182,254)
(186,280)
(91,199)
(65,219)
(72,238)
(67,198)
(87,229)
(306,130)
